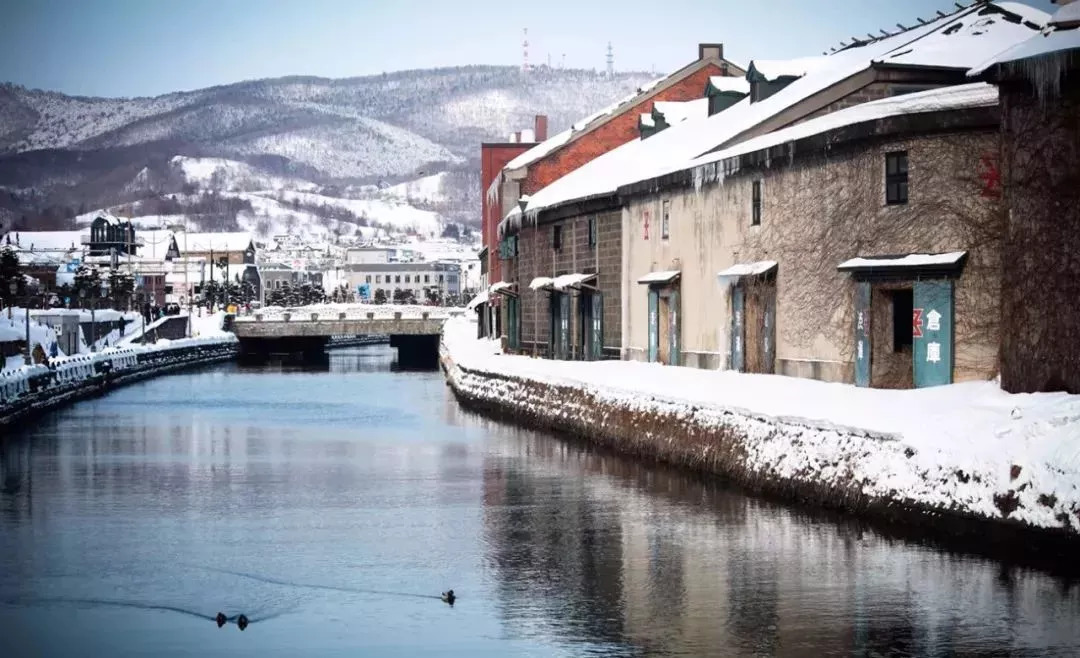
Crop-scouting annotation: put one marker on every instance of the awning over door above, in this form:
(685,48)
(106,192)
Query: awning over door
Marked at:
(542,283)
(905,266)
(662,277)
(757,268)
(572,281)
(480,298)
(503,288)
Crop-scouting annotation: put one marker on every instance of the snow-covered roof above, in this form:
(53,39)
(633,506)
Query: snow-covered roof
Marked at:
(500,286)
(960,97)
(771,69)
(664,276)
(481,298)
(729,83)
(198,242)
(679,111)
(901,262)
(571,280)
(48,240)
(747,269)
(673,149)
(971,38)
(647,120)
(541,282)
(1060,36)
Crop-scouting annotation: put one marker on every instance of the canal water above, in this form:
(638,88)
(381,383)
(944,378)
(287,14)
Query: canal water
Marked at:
(332,504)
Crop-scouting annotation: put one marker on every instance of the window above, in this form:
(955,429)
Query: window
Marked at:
(592,232)
(440,278)
(407,279)
(755,205)
(367,279)
(896,178)
(556,237)
(665,224)
(903,304)
(397,278)
(378,278)
(427,278)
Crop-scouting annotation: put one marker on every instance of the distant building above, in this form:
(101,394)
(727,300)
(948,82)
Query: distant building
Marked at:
(368,255)
(109,234)
(417,278)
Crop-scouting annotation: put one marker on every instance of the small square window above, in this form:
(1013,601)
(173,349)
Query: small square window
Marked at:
(378,278)
(896,178)
(556,237)
(407,279)
(592,232)
(427,278)
(755,210)
(397,278)
(665,221)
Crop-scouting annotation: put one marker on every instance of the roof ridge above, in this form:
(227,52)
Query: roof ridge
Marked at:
(856,42)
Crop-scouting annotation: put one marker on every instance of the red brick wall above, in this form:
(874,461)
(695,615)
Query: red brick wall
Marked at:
(493,157)
(614,133)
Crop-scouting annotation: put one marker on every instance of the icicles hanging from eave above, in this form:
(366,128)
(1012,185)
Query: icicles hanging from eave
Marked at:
(493,189)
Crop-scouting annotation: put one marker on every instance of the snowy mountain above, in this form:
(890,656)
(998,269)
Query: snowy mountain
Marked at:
(65,152)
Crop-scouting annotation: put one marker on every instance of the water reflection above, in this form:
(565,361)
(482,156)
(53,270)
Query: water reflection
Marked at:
(694,569)
(336,501)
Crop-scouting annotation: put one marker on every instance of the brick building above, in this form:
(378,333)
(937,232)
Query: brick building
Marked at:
(577,314)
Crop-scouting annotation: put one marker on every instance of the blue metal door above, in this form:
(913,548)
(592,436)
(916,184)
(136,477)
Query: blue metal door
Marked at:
(564,326)
(654,325)
(597,333)
(738,307)
(932,328)
(673,327)
(862,334)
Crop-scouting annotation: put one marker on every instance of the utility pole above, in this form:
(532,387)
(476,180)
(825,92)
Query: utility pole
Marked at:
(610,61)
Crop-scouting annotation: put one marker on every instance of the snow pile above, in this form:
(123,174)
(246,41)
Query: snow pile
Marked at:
(969,448)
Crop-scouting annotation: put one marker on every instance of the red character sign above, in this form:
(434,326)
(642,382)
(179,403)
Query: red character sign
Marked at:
(646,216)
(990,175)
(916,323)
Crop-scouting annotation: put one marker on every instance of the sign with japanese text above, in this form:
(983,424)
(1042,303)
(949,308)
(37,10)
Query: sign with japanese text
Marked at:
(932,330)
(862,334)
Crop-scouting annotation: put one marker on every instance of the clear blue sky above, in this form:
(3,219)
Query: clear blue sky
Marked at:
(149,47)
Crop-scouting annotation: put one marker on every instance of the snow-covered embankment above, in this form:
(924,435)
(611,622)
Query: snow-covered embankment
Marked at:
(935,457)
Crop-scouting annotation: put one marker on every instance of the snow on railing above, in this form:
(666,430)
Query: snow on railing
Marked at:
(68,370)
(349,312)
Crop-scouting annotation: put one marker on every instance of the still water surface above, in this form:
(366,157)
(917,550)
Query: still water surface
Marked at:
(332,505)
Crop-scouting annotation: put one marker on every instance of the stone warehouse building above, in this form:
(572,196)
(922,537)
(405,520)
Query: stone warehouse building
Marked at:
(861,247)
(418,279)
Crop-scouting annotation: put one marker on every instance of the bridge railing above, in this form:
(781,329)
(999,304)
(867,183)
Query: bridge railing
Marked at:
(322,312)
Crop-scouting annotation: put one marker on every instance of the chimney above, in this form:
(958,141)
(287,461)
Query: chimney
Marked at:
(540,127)
(517,137)
(710,51)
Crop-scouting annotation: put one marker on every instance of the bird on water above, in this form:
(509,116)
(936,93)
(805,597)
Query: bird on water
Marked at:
(448,597)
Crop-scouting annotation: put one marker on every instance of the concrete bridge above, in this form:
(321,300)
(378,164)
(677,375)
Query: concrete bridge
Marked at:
(413,330)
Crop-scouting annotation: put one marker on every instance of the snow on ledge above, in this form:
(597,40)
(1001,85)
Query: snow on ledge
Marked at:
(541,282)
(665,276)
(900,262)
(570,280)
(960,447)
(748,269)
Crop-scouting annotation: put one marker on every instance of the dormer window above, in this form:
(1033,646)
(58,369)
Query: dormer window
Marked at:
(723,91)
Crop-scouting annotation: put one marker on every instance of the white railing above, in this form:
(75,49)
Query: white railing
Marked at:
(319,312)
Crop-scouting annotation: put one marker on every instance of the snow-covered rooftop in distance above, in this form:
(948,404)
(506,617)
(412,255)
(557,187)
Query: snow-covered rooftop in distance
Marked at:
(747,269)
(679,111)
(1066,15)
(213,241)
(722,83)
(771,69)
(46,240)
(900,262)
(960,97)
(970,39)
(667,150)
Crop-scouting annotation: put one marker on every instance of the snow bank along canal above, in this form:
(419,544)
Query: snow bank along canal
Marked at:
(332,503)
(965,461)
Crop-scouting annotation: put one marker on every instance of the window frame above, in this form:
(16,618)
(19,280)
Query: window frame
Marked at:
(556,237)
(665,219)
(897,179)
(592,231)
(757,194)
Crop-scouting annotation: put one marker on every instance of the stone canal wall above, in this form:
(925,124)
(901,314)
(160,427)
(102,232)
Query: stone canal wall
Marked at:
(32,390)
(864,473)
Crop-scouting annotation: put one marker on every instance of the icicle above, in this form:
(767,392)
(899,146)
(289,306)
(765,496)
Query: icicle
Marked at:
(493,189)
(699,178)
(791,152)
